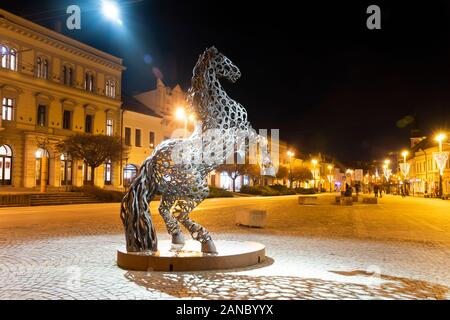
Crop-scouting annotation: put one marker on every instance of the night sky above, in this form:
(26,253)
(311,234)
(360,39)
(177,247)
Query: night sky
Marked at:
(314,71)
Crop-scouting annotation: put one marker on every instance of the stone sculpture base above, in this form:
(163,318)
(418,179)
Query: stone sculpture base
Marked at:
(232,254)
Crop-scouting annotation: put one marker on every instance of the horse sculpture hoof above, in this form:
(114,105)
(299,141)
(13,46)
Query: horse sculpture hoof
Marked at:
(178,239)
(209,247)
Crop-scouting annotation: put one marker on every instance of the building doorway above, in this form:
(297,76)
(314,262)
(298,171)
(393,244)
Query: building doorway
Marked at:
(87,175)
(66,170)
(5,165)
(129,172)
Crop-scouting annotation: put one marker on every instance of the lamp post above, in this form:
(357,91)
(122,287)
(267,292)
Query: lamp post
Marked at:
(330,177)
(314,163)
(181,115)
(441,159)
(404,168)
(290,154)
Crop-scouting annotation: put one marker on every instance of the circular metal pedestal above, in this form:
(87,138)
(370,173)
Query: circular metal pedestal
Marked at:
(231,254)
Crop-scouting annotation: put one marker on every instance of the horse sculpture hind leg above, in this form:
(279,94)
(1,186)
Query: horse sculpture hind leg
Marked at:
(171,223)
(182,210)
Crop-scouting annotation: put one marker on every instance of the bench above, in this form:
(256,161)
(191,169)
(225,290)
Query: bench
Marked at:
(307,200)
(346,201)
(252,218)
(370,200)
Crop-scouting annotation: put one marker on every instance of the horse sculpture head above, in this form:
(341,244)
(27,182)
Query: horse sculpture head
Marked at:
(223,66)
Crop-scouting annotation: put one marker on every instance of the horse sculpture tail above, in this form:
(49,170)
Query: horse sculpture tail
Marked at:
(140,233)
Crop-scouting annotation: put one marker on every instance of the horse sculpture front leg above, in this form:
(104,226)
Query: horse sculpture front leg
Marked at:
(181,212)
(171,223)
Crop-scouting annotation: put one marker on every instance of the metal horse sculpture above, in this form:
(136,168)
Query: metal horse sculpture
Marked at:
(183,185)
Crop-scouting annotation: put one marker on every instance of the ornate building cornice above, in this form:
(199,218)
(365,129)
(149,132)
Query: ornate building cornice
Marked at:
(65,43)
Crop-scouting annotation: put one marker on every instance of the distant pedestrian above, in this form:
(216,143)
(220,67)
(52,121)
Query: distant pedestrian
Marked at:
(375,190)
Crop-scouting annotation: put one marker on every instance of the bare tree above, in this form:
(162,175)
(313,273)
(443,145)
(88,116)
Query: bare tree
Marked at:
(95,150)
(234,171)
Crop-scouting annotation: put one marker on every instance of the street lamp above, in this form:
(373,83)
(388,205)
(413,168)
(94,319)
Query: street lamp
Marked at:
(441,159)
(290,154)
(314,163)
(180,114)
(330,176)
(404,154)
(439,138)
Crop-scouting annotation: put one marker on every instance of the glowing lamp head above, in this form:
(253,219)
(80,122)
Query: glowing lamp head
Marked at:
(180,114)
(387,161)
(314,161)
(330,167)
(440,137)
(405,153)
(191,118)
(290,154)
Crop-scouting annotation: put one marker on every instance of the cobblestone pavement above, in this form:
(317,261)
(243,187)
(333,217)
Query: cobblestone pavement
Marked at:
(399,249)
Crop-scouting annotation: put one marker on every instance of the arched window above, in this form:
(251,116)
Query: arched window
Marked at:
(113,89)
(89,82)
(13,60)
(45,69)
(9,58)
(129,172)
(68,76)
(5,165)
(39,67)
(110,89)
(4,53)
(42,68)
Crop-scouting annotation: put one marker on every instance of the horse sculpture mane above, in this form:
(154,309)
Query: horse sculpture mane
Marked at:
(183,184)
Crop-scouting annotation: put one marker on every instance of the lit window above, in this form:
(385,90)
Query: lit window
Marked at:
(108,172)
(110,88)
(109,127)
(7,109)
(151,139)
(9,58)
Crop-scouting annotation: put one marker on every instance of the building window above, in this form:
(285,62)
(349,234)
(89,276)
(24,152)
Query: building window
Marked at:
(67,115)
(110,88)
(151,139)
(89,82)
(129,172)
(109,127)
(42,68)
(5,165)
(9,58)
(68,76)
(128,136)
(108,172)
(88,124)
(7,109)
(138,138)
(41,115)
